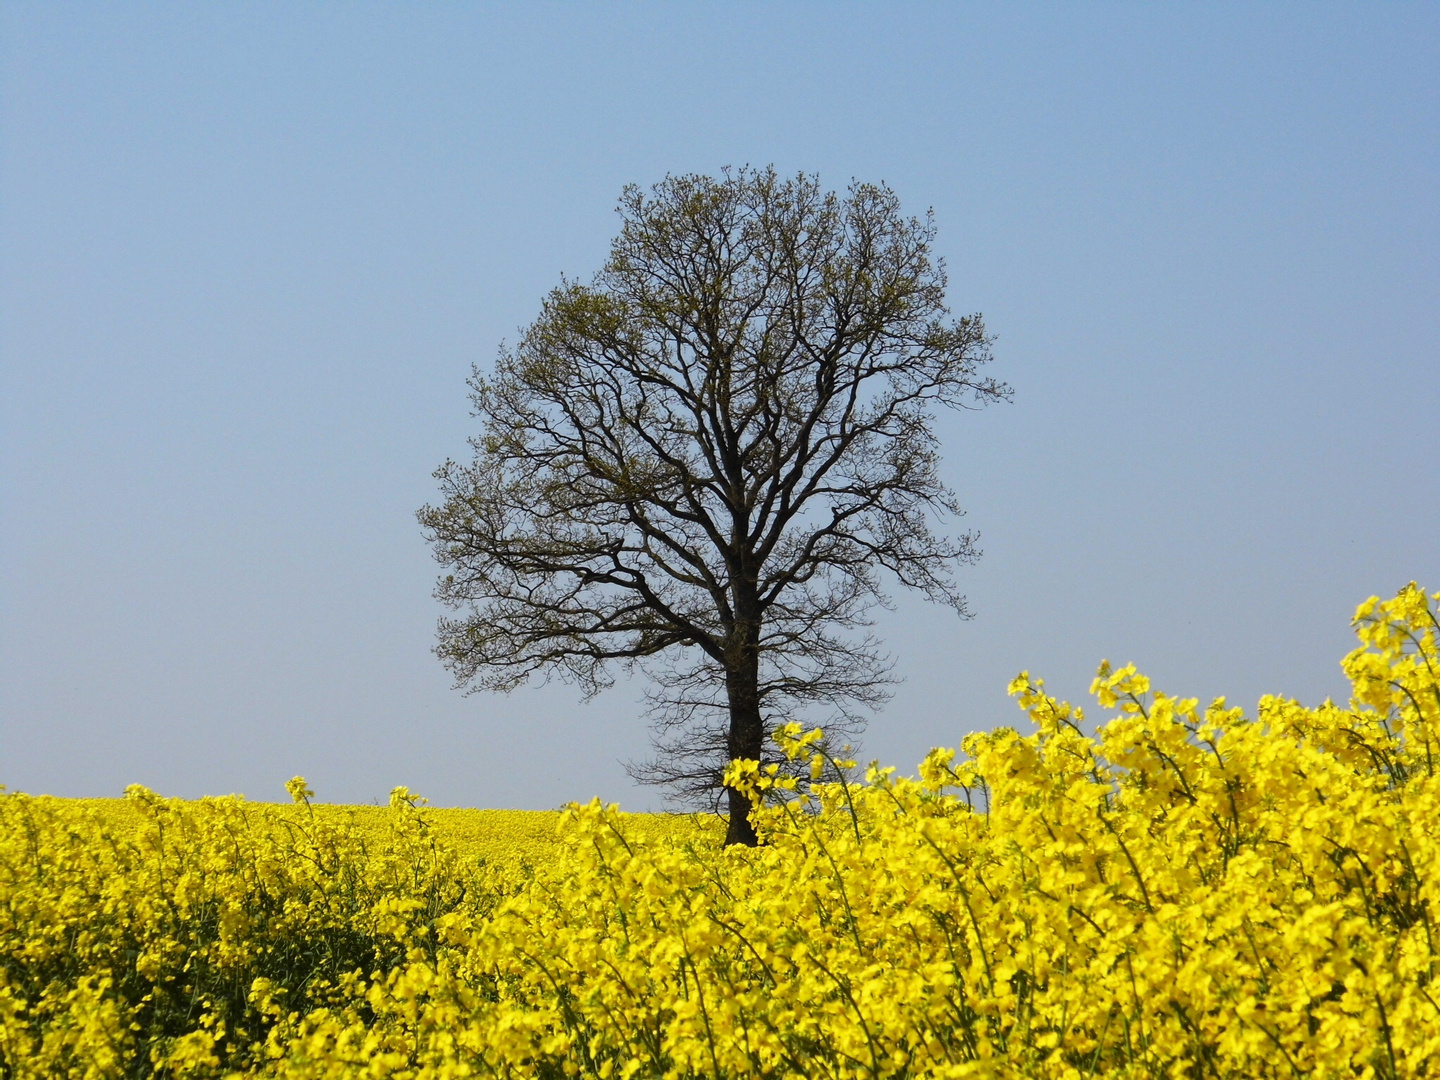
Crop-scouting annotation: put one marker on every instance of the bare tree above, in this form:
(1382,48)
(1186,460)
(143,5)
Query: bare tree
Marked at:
(703,463)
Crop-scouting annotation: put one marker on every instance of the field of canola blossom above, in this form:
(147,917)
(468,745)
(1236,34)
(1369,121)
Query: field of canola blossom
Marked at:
(1174,892)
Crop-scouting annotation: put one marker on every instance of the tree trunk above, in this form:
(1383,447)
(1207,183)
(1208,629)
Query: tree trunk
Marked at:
(747,730)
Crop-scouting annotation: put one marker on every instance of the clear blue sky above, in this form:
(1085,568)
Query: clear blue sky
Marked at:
(248,253)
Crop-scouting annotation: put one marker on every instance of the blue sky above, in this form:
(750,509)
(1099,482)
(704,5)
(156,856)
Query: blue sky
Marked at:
(248,253)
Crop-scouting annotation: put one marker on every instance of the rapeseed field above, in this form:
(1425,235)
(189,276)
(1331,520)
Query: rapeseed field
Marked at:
(1163,891)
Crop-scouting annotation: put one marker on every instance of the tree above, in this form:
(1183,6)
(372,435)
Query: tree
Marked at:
(700,464)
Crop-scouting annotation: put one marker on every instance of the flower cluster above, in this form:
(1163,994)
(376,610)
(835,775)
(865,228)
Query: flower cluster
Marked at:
(1172,892)
(158,936)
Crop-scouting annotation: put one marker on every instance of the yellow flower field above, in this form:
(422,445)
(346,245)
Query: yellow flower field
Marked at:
(1174,891)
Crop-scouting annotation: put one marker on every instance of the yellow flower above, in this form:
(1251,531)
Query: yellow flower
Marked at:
(1174,894)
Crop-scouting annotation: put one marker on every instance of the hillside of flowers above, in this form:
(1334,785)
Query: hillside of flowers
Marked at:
(1160,890)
